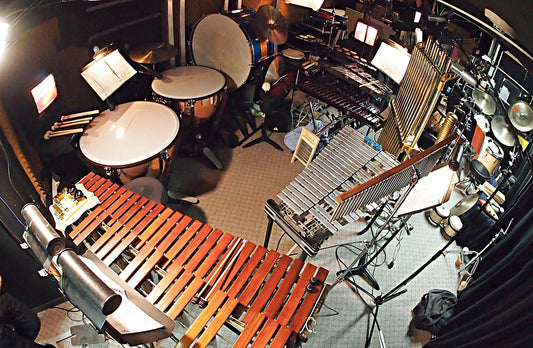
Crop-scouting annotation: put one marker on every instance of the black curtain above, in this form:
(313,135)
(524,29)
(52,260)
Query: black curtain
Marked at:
(496,308)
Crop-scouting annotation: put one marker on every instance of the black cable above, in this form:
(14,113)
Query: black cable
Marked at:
(279,241)
(8,165)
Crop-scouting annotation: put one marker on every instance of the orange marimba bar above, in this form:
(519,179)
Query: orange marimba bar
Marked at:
(271,296)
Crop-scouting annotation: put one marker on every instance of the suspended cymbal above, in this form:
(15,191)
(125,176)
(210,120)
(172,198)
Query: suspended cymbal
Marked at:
(502,130)
(464,205)
(521,116)
(271,24)
(484,101)
(152,53)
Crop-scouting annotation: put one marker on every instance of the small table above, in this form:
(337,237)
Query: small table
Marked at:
(132,134)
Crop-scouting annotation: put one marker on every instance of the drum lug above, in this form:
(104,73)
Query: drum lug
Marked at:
(165,155)
(108,171)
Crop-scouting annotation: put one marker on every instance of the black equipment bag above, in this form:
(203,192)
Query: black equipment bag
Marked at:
(434,310)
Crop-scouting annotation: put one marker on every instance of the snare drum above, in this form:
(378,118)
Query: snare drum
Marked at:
(491,155)
(191,90)
(229,43)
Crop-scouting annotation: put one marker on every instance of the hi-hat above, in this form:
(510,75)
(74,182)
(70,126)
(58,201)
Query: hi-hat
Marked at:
(271,24)
(464,205)
(521,116)
(484,101)
(152,53)
(502,130)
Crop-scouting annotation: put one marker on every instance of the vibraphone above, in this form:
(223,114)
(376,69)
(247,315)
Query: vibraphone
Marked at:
(309,201)
(346,177)
(173,260)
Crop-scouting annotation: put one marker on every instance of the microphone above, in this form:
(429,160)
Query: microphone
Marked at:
(463,74)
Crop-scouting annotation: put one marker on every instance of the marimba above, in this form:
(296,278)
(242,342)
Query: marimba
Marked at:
(173,260)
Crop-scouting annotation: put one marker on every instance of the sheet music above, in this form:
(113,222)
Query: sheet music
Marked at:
(430,191)
(107,74)
(391,61)
(128,318)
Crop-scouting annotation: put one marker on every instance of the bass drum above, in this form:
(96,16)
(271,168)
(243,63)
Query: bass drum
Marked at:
(228,42)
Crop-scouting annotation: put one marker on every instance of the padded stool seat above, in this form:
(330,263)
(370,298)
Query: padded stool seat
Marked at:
(148,187)
(479,172)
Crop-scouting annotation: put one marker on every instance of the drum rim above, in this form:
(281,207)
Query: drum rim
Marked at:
(201,97)
(136,163)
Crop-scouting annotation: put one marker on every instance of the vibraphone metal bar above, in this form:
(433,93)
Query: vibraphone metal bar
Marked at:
(354,104)
(307,203)
(390,181)
(172,260)
(426,74)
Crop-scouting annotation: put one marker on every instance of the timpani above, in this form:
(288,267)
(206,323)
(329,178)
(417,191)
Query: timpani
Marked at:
(129,137)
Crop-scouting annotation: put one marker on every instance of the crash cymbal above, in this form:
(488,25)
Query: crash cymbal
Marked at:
(271,24)
(152,53)
(521,116)
(502,130)
(464,205)
(484,101)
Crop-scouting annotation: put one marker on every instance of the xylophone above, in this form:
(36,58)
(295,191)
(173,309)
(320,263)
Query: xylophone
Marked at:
(310,200)
(172,260)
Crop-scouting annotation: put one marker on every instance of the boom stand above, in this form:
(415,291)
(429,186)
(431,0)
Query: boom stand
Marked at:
(363,261)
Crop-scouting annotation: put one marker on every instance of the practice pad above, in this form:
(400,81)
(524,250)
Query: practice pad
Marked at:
(293,54)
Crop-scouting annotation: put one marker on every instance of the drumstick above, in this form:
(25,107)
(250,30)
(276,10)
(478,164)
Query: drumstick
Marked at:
(368,83)
(76,120)
(213,274)
(204,300)
(58,125)
(80,114)
(50,134)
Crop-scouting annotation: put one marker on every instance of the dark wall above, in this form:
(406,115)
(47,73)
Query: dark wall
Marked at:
(54,39)
(17,266)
